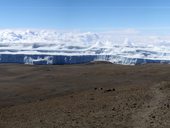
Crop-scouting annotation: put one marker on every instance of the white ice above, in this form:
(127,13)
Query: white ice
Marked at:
(52,42)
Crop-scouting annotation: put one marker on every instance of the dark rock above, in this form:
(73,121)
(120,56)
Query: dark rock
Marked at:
(91,98)
(108,90)
(134,104)
(153,117)
(113,108)
(161,88)
(40,99)
(95,88)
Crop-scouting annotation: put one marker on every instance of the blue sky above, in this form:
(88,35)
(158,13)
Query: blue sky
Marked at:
(85,14)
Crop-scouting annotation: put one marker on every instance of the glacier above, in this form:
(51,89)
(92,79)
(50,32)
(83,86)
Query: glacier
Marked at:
(59,47)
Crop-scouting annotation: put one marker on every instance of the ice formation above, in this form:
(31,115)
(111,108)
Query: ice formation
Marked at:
(56,47)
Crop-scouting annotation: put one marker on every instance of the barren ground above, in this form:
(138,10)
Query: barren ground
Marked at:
(96,95)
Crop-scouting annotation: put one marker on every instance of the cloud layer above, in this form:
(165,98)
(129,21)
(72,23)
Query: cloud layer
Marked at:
(126,43)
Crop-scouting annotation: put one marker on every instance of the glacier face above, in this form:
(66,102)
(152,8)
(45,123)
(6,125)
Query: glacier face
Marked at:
(56,47)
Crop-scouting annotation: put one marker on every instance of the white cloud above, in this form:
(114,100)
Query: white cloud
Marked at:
(124,42)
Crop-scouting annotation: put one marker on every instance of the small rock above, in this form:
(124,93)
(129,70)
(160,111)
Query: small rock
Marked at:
(161,88)
(153,117)
(113,108)
(134,104)
(40,99)
(91,98)
(108,90)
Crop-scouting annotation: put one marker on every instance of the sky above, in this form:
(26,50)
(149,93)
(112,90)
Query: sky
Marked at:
(86,14)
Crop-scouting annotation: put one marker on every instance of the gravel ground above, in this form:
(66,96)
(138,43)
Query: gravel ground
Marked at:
(96,95)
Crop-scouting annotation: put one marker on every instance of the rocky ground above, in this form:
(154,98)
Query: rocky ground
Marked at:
(96,95)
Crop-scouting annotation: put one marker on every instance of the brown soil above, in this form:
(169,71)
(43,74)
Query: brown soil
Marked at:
(96,95)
